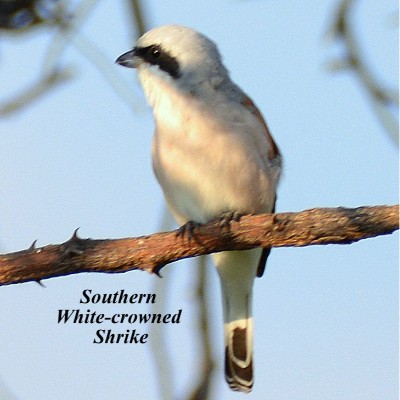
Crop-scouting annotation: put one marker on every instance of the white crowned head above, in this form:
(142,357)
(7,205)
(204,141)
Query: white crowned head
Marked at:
(185,57)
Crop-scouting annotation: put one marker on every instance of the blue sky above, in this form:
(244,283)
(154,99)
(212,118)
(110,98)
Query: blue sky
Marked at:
(325,317)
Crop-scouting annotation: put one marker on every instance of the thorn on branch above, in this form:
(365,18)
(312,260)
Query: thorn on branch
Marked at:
(75,236)
(74,246)
(40,283)
(157,268)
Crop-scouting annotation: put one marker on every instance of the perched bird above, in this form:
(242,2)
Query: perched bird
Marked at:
(213,156)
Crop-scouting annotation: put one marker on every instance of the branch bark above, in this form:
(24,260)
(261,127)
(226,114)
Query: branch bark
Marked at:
(150,253)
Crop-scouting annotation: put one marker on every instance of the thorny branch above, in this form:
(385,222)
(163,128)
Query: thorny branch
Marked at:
(150,253)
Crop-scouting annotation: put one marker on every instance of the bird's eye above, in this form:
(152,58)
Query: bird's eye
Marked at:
(155,51)
(157,56)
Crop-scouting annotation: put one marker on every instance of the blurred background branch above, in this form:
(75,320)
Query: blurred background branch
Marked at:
(207,366)
(162,357)
(384,100)
(138,17)
(5,394)
(44,84)
(159,346)
(21,17)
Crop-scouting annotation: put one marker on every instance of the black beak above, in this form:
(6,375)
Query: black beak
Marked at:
(128,59)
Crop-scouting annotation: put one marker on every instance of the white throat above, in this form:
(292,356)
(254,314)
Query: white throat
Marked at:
(162,95)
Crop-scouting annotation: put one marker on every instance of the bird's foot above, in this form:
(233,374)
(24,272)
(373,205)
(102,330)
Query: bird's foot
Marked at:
(186,230)
(226,218)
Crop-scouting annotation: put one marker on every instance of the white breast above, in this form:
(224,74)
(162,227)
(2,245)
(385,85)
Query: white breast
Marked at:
(209,158)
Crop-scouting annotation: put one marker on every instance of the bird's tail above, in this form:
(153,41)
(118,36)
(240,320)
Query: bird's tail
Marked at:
(239,354)
(237,271)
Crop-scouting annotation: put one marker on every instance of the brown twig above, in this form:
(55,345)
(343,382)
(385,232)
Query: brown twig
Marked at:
(151,253)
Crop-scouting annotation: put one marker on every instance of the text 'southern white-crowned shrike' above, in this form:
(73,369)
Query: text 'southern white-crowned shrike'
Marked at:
(213,156)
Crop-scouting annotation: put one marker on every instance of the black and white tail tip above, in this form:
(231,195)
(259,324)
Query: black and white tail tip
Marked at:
(238,361)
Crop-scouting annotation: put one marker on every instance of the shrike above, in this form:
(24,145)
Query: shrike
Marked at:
(213,156)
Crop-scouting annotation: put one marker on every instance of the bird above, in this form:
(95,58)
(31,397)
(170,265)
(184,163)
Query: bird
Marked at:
(215,158)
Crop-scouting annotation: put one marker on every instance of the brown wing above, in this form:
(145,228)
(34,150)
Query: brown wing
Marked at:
(264,255)
(273,151)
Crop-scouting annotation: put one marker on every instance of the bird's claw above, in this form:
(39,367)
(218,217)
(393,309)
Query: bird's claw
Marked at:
(187,229)
(227,217)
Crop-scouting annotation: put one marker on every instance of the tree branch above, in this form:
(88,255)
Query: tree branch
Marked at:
(151,253)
